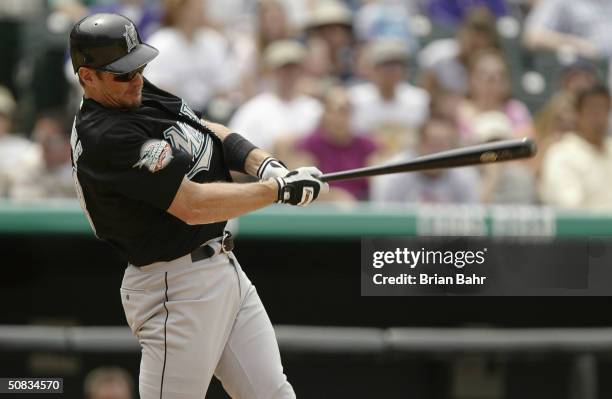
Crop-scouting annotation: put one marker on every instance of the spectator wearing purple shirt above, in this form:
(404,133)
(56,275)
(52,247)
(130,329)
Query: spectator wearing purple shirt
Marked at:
(333,147)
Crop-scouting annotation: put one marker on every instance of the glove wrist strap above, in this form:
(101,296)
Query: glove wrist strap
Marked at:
(269,162)
(280,198)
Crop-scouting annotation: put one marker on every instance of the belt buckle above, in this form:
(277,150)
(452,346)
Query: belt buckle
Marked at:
(226,236)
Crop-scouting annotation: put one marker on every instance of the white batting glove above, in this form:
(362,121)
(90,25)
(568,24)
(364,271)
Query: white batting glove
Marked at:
(301,186)
(270,168)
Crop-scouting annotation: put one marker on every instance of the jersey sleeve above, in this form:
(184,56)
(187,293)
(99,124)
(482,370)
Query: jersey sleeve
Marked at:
(141,168)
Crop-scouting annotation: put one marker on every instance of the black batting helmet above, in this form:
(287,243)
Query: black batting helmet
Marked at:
(108,42)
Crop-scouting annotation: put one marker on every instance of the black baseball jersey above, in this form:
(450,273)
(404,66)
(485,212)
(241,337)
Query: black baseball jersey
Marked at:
(128,165)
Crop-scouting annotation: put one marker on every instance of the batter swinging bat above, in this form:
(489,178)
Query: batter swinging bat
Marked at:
(499,151)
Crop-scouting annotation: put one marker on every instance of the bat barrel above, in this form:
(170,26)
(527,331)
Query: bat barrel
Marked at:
(499,151)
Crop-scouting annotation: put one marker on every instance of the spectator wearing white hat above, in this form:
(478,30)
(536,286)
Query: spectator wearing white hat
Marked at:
(331,23)
(387,104)
(282,112)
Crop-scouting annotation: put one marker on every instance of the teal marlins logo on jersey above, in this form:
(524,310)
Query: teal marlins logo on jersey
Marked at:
(188,139)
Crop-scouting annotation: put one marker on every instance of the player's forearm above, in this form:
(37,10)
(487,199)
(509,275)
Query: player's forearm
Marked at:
(215,202)
(254,160)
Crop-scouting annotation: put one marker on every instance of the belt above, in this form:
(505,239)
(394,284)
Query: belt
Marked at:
(207,251)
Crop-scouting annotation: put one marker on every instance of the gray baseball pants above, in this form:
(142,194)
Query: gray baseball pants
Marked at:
(196,319)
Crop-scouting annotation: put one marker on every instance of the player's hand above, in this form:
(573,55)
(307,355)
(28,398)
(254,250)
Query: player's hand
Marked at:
(271,168)
(301,186)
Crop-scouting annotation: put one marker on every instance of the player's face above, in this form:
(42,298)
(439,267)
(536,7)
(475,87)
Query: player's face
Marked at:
(119,91)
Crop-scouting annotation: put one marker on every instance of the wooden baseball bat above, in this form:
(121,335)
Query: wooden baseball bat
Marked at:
(499,151)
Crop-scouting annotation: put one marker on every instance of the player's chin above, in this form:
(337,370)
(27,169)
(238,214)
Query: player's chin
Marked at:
(133,101)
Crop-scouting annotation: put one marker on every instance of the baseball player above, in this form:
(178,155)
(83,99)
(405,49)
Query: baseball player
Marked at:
(153,179)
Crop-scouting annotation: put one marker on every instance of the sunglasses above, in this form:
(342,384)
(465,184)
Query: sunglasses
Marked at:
(128,76)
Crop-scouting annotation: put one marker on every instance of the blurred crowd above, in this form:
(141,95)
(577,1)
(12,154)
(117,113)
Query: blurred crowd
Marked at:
(345,84)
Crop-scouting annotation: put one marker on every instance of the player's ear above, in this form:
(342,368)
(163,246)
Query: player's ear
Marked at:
(86,76)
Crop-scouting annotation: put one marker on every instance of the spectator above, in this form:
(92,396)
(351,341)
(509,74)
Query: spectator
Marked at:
(331,22)
(452,12)
(582,26)
(271,25)
(224,15)
(8,106)
(556,117)
(512,183)
(490,90)
(194,62)
(333,147)
(456,185)
(238,14)
(443,105)
(576,169)
(318,70)
(281,112)
(108,383)
(387,105)
(53,177)
(299,11)
(385,19)
(444,62)
(577,76)
(17,154)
